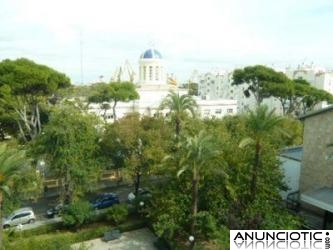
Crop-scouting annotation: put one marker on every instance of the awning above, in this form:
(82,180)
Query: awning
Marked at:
(321,198)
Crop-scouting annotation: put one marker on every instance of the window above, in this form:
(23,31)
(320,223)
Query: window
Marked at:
(157,73)
(230,111)
(150,73)
(218,111)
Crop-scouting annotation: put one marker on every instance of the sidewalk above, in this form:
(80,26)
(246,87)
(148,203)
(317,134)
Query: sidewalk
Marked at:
(54,192)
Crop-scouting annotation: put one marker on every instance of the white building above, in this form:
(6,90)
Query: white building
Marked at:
(317,76)
(153,86)
(217,85)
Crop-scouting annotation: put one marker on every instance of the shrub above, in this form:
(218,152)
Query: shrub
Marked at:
(206,224)
(117,213)
(77,214)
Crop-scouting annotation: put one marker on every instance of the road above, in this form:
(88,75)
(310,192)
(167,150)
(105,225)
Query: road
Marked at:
(51,198)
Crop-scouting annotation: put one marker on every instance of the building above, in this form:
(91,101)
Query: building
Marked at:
(291,159)
(317,76)
(316,179)
(154,85)
(217,84)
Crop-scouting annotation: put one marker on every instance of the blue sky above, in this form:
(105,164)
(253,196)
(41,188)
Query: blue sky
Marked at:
(197,34)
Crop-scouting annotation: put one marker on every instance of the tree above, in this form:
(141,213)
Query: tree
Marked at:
(69,144)
(122,92)
(137,150)
(179,106)
(200,151)
(260,123)
(298,96)
(258,80)
(113,92)
(12,163)
(77,214)
(102,95)
(28,84)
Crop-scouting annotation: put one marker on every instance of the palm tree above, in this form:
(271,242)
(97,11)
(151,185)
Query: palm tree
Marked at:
(179,106)
(260,123)
(12,163)
(200,152)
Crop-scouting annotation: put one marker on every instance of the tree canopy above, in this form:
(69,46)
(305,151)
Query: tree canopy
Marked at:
(69,146)
(258,79)
(114,92)
(24,86)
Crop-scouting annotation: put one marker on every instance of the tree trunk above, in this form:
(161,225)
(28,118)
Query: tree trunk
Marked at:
(114,111)
(1,227)
(137,183)
(178,126)
(68,191)
(255,171)
(195,183)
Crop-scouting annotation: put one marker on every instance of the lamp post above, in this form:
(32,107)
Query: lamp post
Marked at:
(41,167)
(191,240)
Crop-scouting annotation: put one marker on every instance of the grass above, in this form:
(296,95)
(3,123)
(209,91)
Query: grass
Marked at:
(64,238)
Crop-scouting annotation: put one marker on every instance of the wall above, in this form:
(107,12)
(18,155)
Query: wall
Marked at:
(317,169)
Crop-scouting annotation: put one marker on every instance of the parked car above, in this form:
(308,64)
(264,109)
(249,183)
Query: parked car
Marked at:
(105,200)
(20,216)
(143,194)
(55,211)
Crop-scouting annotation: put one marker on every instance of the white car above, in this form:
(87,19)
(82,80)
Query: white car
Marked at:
(142,193)
(20,216)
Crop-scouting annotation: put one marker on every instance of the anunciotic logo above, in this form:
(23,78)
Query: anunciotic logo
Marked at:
(280,239)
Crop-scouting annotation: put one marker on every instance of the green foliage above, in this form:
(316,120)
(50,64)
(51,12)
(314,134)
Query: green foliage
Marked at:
(205,225)
(24,86)
(62,239)
(69,146)
(138,151)
(259,80)
(113,93)
(77,214)
(56,242)
(179,106)
(117,213)
(169,209)
(193,88)
(17,177)
(26,77)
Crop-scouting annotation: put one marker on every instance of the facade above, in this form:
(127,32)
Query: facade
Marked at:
(153,86)
(318,77)
(291,159)
(216,85)
(316,180)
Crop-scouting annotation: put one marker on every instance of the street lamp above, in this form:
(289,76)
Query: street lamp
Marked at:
(141,203)
(41,167)
(191,240)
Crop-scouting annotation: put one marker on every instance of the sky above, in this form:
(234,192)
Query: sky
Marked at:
(89,39)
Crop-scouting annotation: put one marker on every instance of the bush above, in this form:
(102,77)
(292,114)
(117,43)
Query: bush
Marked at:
(77,214)
(117,213)
(206,225)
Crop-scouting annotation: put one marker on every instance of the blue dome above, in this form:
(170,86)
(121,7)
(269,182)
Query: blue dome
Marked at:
(151,54)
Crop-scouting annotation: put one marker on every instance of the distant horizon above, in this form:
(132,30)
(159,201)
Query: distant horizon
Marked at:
(191,35)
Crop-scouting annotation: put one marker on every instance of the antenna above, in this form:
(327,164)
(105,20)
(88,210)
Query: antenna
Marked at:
(81,56)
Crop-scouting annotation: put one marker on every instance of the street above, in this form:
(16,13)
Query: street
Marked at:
(51,198)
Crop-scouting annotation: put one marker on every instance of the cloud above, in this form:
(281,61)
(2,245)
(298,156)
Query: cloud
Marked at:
(189,34)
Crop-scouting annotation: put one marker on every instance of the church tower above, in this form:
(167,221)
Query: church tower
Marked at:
(151,68)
